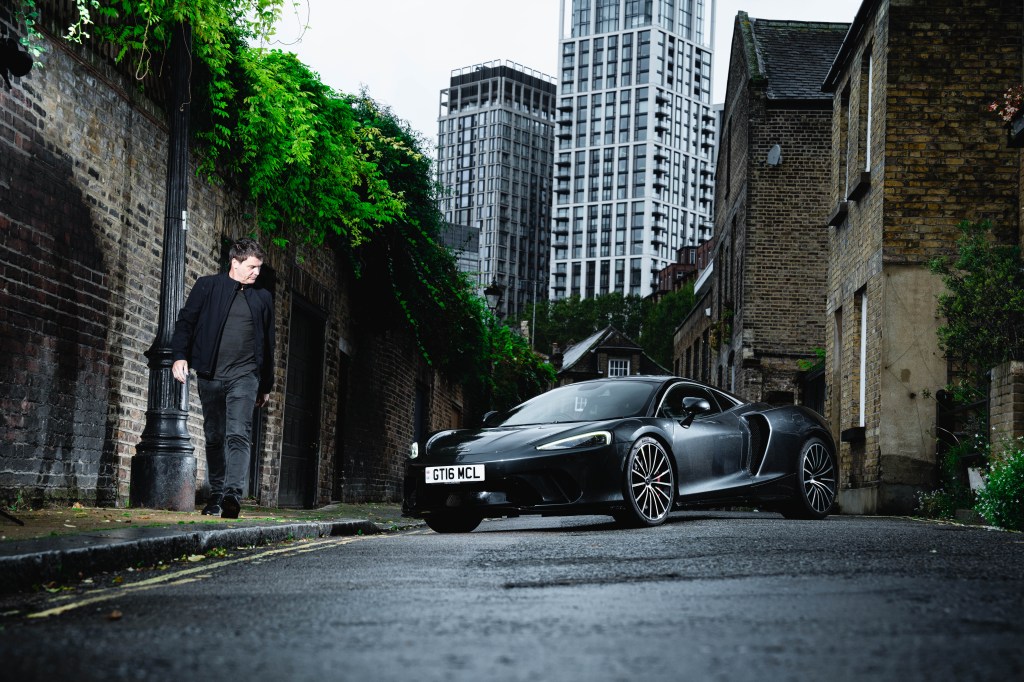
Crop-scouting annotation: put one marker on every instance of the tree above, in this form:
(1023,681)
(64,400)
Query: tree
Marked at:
(984,302)
(651,324)
(661,321)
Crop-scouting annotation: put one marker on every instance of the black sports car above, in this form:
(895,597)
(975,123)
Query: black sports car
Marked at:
(632,447)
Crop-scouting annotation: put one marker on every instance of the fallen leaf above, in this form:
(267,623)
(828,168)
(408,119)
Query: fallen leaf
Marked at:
(77,505)
(195,557)
(114,615)
(68,525)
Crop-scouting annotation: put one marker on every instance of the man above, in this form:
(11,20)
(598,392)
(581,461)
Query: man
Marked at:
(225,333)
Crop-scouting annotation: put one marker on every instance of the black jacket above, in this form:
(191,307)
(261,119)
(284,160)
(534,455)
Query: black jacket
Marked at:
(200,323)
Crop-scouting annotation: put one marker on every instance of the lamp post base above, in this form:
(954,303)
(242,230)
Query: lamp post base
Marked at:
(164,482)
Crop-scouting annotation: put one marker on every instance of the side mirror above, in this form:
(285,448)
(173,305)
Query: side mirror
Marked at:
(490,418)
(693,406)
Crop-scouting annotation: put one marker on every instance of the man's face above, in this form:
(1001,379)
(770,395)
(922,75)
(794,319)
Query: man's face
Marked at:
(245,271)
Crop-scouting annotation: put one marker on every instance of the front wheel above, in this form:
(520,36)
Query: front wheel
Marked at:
(649,486)
(453,523)
(816,482)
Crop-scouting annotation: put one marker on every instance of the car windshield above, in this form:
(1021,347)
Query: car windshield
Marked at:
(586,401)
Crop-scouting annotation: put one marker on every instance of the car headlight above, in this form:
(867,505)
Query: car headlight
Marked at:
(414,450)
(594,439)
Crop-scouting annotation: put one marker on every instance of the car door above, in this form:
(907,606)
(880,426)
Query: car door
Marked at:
(708,444)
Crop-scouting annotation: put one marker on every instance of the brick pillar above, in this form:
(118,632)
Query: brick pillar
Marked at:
(1006,404)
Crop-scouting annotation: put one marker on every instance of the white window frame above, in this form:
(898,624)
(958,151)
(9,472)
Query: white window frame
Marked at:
(618,367)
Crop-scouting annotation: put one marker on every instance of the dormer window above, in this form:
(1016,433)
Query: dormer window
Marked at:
(618,367)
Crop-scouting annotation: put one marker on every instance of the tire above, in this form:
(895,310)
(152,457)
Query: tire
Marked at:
(649,487)
(453,523)
(816,482)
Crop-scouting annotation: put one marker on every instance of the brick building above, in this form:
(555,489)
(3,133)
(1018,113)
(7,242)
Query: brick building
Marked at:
(605,353)
(760,303)
(914,152)
(82,172)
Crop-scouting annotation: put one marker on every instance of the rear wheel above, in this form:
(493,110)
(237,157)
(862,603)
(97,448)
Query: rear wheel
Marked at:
(453,523)
(649,486)
(816,482)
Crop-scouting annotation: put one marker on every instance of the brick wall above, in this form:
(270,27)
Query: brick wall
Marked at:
(767,290)
(933,157)
(82,173)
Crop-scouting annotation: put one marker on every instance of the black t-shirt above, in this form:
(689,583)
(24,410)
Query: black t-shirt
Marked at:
(236,356)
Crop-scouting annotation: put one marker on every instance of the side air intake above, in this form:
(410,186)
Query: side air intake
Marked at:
(759,432)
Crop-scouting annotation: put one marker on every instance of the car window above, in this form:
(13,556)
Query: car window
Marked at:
(585,401)
(672,404)
(725,401)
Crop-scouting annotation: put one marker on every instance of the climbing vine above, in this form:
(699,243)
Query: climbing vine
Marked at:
(317,165)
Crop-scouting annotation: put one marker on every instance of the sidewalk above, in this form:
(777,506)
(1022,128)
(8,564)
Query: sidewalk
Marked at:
(63,545)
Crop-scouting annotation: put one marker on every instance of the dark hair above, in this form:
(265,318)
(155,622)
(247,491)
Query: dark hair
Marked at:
(246,248)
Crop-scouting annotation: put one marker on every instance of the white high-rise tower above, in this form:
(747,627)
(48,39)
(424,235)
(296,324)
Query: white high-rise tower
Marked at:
(634,159)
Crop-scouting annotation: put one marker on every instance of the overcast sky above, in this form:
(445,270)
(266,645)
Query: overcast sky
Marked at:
(403,51)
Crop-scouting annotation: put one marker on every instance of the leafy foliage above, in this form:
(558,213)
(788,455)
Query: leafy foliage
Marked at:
(1001,501)
(320,167)
(660,322)
(517,375)
(984,304)
(651,324)
(953,492)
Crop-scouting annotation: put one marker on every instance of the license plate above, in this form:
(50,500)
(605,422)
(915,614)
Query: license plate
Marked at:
(465,473)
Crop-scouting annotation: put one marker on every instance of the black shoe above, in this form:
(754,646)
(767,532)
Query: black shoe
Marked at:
(212,507)
(230,507)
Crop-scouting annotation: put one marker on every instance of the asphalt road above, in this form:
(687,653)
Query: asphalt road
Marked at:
(708,596)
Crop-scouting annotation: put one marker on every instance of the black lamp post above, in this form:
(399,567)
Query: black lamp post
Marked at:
(493,295)
(164,466)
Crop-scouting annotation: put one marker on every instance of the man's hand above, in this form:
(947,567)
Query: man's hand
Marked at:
(180,370)
(262,399)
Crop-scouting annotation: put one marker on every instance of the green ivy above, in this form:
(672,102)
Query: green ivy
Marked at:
(320,167)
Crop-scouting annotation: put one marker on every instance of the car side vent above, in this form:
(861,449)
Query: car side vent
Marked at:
(759,432)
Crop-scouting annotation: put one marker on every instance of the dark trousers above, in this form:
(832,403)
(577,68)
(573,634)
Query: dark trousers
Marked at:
(227,422)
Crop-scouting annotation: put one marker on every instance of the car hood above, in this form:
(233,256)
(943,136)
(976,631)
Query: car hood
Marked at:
(504,441)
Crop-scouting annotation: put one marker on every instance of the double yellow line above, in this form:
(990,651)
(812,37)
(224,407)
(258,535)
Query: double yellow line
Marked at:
(189,575)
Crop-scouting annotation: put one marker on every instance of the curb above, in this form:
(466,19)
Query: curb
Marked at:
(100,551)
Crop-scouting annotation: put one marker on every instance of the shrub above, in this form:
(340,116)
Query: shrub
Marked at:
(1001,501)
(954,492)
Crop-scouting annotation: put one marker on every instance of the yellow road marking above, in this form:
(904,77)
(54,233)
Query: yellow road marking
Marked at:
(188,575)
